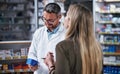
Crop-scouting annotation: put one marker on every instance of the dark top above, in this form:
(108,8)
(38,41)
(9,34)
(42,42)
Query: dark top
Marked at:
(68,60)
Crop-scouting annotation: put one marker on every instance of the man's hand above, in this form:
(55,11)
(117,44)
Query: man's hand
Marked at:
(33,68)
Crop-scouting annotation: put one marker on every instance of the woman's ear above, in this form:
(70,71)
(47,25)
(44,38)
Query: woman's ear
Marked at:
(66,22)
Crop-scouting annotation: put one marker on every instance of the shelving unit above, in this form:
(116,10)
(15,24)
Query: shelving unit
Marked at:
(39,10)
(17,25)
(13,56)
(107,28)
(14,20)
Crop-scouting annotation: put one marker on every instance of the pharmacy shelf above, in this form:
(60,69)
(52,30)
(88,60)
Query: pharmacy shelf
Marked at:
(13,24)
(112,64)
(12,61)
(108,33)
(16,17)
(12,2)
(107,22)
(13,58)
(111,0)
(104,21)
(10,32)
(107,12)
(110,43)
(12,10)
(111,54)
(15,42)
(15,71)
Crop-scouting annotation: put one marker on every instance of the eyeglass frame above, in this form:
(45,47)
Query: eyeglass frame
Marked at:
(51,21)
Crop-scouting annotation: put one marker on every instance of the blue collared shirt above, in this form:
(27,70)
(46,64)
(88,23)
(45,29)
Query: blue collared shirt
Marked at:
(53,32)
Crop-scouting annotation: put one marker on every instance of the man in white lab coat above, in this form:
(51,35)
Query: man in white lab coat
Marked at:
(46,38)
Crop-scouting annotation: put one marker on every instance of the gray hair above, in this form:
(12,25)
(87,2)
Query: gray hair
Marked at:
(52,8)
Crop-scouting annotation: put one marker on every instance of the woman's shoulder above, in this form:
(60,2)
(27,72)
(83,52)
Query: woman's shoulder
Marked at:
(65,44)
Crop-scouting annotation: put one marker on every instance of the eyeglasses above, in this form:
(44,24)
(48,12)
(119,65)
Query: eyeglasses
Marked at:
(51,21)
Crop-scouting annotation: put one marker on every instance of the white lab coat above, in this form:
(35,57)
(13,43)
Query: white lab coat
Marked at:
(41,45)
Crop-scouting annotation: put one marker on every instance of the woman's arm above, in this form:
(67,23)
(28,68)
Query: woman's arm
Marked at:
(61,66)
(49,61)
(62,60)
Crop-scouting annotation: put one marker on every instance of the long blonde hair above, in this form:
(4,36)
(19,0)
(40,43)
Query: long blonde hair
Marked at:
(82,29)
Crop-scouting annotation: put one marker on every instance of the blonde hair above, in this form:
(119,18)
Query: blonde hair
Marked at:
(82,29)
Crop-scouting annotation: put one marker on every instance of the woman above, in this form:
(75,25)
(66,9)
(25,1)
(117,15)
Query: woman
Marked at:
(79,53)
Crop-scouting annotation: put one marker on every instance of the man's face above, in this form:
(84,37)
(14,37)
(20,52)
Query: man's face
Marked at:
(51,20)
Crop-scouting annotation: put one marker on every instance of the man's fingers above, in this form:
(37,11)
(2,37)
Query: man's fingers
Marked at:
(33,68)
